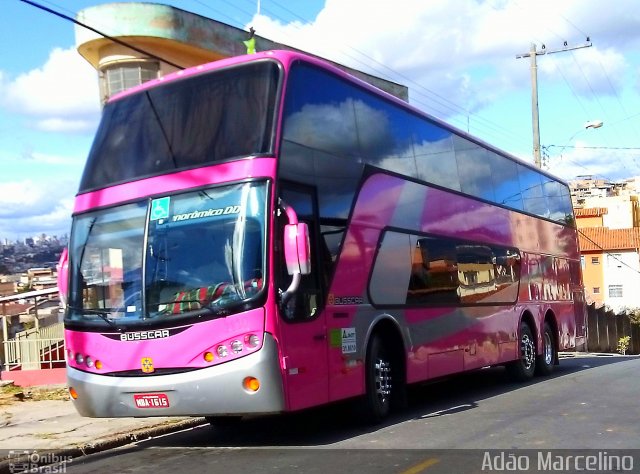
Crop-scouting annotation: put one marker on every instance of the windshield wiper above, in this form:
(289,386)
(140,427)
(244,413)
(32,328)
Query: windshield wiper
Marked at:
(212,307)
(99,312)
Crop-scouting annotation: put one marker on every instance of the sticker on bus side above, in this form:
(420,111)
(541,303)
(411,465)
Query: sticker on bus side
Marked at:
(335,337)
(348,340)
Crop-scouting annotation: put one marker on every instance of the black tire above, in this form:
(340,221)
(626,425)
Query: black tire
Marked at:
(546,361)
(379,377)
(522,369)
(223,421)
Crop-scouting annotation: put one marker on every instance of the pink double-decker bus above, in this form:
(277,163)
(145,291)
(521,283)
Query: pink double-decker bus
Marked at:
(266,233)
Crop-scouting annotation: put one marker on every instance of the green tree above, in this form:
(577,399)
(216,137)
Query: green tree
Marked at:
(634,315)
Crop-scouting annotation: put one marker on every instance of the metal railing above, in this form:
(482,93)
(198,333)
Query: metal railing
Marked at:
(34,354)
(32,349)
(53,331)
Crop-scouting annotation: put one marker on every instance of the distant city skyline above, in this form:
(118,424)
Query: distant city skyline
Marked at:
(36,238)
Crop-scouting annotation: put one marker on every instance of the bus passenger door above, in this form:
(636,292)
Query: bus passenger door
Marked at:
(303,326)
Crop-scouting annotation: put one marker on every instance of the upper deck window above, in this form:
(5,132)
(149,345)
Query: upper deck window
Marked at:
(185,123)
(336,127)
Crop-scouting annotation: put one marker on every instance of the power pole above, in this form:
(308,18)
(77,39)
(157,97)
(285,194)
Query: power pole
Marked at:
(533,53)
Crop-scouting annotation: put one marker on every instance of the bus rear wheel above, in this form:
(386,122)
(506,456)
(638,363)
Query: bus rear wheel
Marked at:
(524,367)
(547,360)
(379,377)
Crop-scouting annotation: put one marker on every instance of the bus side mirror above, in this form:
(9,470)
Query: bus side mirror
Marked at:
(297,252)
(63,276)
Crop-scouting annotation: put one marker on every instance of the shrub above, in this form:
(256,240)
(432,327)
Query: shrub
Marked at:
(623,344)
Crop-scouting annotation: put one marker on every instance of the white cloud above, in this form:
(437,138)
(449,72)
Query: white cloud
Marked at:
(43,158)
(437,42)
(65,125)
(581,160)
(62,95)
(27,198)
(589,71)
(459,61)
(27,205)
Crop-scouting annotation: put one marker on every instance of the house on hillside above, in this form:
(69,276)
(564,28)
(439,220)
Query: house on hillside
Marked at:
(590,217)
(611,266)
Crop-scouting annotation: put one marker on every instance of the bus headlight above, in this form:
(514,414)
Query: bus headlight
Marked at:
(236,346)
(251,340)
(222,351)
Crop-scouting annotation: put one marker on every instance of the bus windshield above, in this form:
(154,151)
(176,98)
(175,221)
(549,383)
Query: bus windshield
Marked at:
(186,123)
(199,253)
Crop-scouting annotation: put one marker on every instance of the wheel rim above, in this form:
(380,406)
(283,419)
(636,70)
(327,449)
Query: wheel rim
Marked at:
(382,380)
(528,351)
(548,349)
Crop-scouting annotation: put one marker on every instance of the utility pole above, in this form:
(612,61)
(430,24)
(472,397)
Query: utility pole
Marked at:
(533,53)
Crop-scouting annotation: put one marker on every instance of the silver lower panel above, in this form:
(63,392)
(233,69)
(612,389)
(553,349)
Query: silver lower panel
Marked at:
(216,390)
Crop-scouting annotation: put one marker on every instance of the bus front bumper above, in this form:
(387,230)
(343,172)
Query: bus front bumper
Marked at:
(217,390)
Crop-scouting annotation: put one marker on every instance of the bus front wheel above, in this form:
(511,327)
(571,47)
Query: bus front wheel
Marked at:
(379,381)
(223,421)
(524,367)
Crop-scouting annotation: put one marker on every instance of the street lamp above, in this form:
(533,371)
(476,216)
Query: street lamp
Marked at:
(594,124)
(587,126)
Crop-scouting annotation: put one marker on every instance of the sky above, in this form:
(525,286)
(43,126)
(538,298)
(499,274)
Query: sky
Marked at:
(457,57)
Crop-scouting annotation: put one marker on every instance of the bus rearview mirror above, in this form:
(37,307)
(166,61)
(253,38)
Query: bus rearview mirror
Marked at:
(297,248)
(62,277)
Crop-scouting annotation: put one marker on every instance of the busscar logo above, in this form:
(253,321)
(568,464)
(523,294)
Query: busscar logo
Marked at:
(144,335)
(147,365)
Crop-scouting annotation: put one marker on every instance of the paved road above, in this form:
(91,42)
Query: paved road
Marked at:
(590,406)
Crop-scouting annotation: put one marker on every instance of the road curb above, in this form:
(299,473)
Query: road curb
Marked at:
(62,455)
(573,355)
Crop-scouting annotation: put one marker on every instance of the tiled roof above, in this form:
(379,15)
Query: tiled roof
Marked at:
(591,212)
(15,309)
(603,238)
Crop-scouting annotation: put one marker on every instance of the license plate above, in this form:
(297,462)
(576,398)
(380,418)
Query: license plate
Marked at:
(151,400)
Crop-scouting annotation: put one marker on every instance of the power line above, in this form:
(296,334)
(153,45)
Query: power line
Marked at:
(435,102)
(606,252)
(222,14)
(532,54)
(111,38)
(594,147)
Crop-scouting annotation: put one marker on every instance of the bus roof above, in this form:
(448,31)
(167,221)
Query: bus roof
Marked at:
(286,57)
